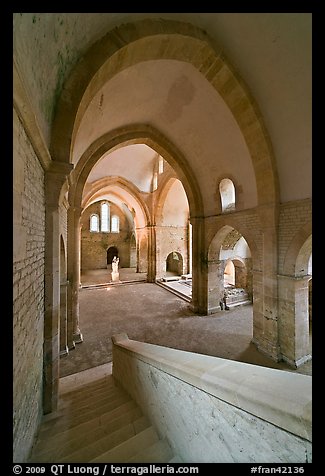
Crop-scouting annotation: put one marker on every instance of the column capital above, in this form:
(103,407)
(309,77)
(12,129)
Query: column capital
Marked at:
(55,176)
(289,277)
(59,168)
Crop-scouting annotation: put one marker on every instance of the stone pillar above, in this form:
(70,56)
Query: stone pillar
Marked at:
(73,272)
(240,277)
(249,277)
(151,278)
(215,285)
(64,349)
(200,268)
(142,250)
(294,319)
(55,177)
(189,248)
(265,302)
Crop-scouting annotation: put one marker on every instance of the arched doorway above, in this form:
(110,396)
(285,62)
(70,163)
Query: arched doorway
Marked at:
(174,264)
(236,281)
(295,300)
(111,252)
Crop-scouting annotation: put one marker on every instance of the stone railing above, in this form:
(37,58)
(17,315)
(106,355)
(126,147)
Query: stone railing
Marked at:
(217,410)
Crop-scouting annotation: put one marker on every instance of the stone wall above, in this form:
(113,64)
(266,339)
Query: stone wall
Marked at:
(216,411)
(94,245)
(169,239)
(28,292)
(293,216)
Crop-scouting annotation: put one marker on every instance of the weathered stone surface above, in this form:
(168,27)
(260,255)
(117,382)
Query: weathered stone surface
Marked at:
(28,287)
(215,410)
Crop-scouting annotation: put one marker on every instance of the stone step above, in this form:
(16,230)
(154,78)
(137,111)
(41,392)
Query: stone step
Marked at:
(71,409)
(125,451)
(70,440)
(60,424)
(87,390)
(177,293)
(103,442)
(80,387)
(159,452)
(91,423)
(109,442)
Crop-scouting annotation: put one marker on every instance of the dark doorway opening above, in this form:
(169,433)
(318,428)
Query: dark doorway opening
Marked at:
(111,252)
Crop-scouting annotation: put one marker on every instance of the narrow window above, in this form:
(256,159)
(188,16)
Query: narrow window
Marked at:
(94,223)
(105,217)
(227,194)
(115,224)
(160,165)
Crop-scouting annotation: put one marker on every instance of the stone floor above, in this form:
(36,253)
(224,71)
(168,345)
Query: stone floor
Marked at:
(149,313)
(103,276)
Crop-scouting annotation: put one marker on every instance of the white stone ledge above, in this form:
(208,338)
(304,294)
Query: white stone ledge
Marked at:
(276,396)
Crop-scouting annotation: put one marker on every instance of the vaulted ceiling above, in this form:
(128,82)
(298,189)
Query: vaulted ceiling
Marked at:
(270,51)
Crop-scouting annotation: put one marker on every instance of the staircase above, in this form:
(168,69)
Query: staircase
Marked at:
(97,422)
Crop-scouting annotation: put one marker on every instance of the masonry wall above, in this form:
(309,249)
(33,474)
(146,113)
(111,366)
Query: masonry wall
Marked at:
(94,245)
(204,427)
(169,239)
(28,292)
(293,216)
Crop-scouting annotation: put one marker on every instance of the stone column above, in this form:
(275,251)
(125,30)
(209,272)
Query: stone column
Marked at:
(151,278)
(64,349)
(73,272)
(215,285)
(294,319)
(265,301)
(199,268)
(55,177)
(189,248)
(142,250)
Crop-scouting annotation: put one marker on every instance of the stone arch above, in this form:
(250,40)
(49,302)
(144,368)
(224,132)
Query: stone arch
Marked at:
(152,39)
(164,189)
(299,250)
(105,182)
(216,266)
(110,253)
(136,134)
(174,234)
(239,271)
(174,263)
(294,300)
(215,241)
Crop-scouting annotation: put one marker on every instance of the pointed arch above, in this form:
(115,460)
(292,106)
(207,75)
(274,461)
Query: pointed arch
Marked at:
(152,39)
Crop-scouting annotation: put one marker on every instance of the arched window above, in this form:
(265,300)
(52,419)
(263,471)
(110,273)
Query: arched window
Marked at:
(160,165)
(227,194)
(105,215)
(115,228)
(94,223)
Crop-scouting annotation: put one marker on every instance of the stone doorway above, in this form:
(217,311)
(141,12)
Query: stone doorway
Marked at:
(111,252)
(174,264)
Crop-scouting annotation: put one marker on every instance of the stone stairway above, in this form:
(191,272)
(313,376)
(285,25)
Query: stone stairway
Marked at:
(97,421)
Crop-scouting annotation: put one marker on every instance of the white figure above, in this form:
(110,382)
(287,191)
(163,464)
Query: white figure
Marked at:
(115,263)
